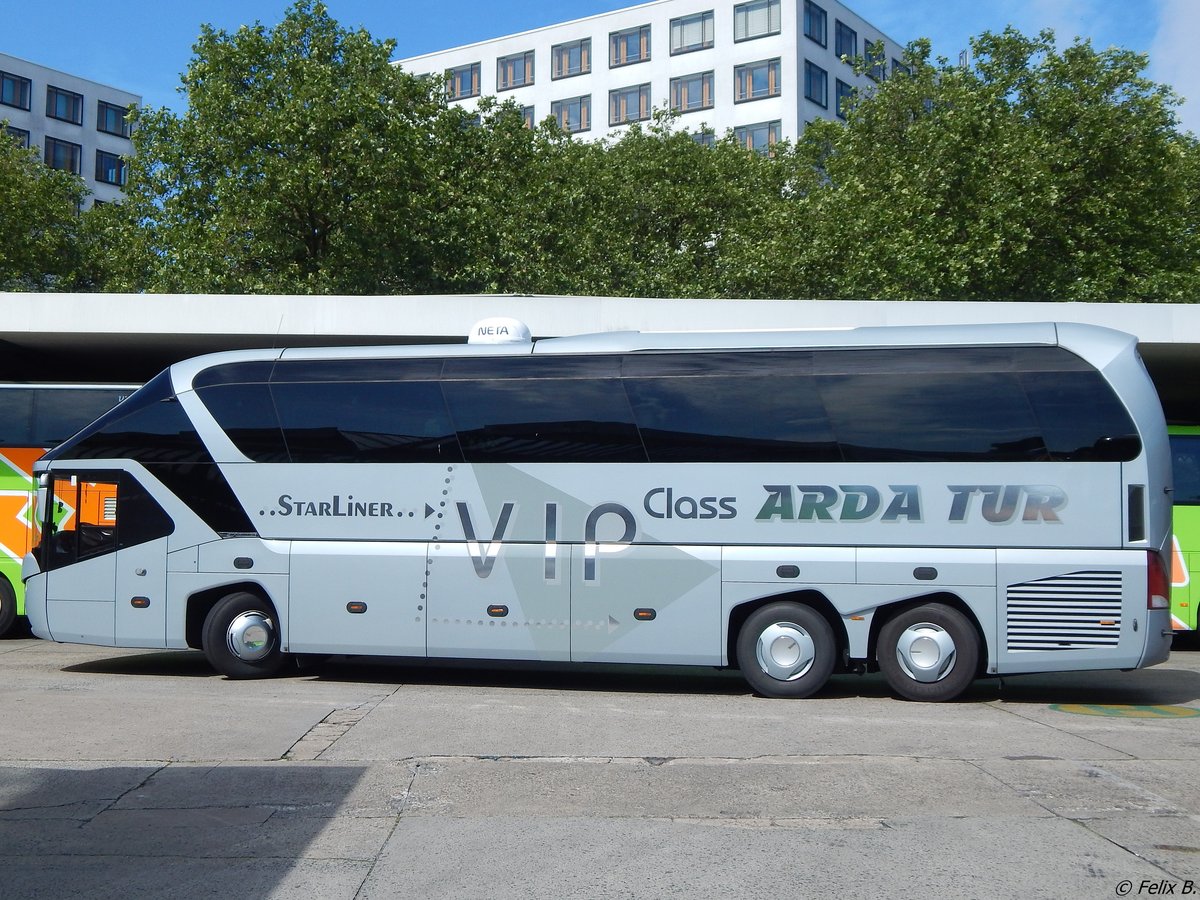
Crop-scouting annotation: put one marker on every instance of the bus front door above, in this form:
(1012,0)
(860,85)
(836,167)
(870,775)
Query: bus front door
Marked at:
(141,594)
(79,544)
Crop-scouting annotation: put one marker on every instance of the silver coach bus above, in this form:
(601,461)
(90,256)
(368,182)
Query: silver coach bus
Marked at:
(937,503)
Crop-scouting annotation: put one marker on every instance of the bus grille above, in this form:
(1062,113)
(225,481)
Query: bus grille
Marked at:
(1066,612)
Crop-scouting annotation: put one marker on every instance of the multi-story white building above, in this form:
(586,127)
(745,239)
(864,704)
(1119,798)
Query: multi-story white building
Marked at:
(763,68)
(79,125)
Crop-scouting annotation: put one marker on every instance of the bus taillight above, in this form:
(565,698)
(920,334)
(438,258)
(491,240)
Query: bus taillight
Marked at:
(1158,594)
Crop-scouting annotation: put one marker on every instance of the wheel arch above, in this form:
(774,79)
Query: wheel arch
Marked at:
(200,604)
(808,597)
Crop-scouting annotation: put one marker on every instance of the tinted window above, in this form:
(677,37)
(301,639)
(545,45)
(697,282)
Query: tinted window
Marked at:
(245,413)
(381,421)
(16,417)
(206,492)
(81,518)
(60,412)
(1185,458)
(151,428)
(148,427)
(931,417)
(725,419)
(727,407)
(1081,417)
(99,513)
(357,370)
(544,420)
(884,405)
(520,367)
(44,417)
(139,517)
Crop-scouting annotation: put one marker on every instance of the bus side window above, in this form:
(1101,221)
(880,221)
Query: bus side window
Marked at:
(82,519)
(142,519)
(97,514)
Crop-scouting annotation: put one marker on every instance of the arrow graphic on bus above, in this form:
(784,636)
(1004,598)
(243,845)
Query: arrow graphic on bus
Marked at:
(16,476)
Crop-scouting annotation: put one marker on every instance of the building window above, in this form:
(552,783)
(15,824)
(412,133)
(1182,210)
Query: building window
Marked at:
(705,138)
(876,60)
(631,104)
(462,82)
(64,105)
(899,68)
(815,23)
(572,59)
(845,97)
(20,135)
(690,33)
(15,90)
(110,119)
(628,47)
(756,19)
(110,168)
(845,40)
(692,92)
(63,155)
(527,116)
(514,71)
(755,81)
(760,137)
(816,84)
(574,114)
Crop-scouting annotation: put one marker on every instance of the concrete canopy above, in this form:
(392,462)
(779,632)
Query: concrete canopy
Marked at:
(131,337)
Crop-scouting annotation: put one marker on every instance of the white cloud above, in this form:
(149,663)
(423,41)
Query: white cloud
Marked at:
(1173,56)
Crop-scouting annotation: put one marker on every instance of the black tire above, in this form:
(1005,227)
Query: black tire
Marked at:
(256,621)
(942,655)
(8,607)
(786,650)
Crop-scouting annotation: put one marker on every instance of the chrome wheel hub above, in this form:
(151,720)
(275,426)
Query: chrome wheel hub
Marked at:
(251,636)
(785,651)
(926,652)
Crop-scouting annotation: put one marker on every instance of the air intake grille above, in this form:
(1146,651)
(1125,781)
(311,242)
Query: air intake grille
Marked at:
(1066,612)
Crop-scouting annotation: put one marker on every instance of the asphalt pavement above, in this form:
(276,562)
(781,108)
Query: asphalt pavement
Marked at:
(138,773)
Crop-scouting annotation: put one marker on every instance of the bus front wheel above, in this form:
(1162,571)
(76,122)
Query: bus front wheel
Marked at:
(786,650)
(241,637)
(929,652)
(8,606)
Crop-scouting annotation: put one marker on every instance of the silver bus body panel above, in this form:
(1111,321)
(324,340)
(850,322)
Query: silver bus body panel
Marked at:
(387,578)
(551,561)
(831,504)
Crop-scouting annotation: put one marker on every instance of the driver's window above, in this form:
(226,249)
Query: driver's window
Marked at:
(82,519)
(97,514)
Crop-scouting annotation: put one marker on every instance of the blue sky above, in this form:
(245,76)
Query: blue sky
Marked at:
(147,45)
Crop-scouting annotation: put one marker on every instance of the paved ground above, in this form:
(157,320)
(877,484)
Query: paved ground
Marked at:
(128,773)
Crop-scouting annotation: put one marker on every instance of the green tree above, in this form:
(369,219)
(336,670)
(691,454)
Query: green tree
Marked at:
(651,214)
(1034,175)
(680,213)
(40,225)
(297,167)
(509,204)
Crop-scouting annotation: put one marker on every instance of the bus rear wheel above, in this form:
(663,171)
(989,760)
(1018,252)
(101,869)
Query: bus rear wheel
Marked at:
(786,650)
(929,652)
(8,606)
(241,637)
